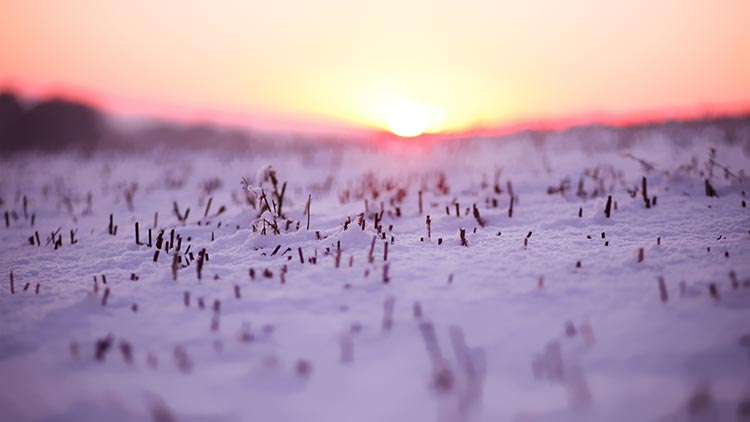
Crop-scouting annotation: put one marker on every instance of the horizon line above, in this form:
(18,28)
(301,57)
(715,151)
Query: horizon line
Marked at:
(137,112)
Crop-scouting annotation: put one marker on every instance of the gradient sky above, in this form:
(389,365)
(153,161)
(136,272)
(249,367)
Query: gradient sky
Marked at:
(344,61)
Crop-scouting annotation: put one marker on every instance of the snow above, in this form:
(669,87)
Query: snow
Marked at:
(520,332)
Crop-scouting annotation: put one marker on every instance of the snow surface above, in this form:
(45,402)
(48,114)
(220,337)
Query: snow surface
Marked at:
(508,328)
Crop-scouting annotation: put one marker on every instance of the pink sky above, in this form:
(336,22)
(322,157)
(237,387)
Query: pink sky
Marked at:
(308,64)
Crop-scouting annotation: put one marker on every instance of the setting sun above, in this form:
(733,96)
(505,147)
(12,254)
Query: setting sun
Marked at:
(409,118)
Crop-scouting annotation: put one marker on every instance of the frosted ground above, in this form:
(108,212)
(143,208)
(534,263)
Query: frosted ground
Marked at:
(554,313)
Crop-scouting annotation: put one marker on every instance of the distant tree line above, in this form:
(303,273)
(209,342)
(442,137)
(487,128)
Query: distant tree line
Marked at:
(54,125)
(49,125)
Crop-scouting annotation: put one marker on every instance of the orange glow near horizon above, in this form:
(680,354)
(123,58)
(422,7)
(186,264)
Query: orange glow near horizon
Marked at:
(327,63)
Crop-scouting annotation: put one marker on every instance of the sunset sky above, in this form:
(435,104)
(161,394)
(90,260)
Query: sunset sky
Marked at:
(342,62)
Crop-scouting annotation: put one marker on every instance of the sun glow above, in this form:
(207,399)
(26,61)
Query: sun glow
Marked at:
(408,118)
